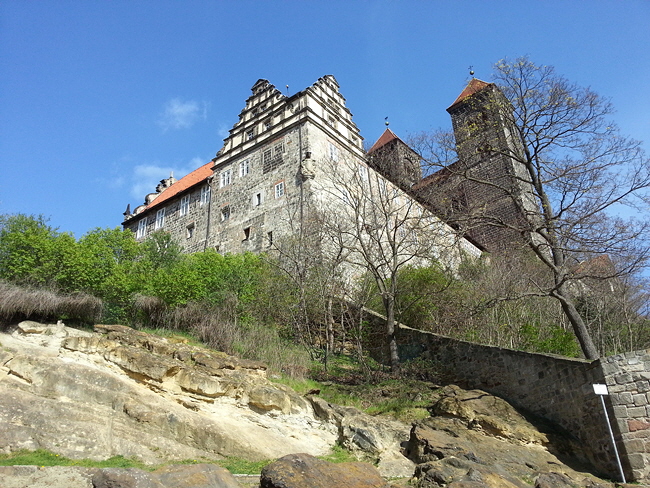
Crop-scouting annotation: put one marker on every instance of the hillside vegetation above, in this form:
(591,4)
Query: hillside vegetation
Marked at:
(253,306)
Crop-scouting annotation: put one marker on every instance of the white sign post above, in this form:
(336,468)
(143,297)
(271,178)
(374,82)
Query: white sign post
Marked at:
(601,391)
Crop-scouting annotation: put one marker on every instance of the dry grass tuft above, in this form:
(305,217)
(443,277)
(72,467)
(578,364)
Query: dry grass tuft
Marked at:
(20,303)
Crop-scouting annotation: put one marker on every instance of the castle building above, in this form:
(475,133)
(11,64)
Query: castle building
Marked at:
(286,155)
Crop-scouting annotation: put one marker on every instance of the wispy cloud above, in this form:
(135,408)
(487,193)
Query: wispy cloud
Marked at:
(146,177)
(182,114)
(223,131)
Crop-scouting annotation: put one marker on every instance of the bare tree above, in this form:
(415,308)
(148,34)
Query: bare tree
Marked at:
(559,176)
(378,230)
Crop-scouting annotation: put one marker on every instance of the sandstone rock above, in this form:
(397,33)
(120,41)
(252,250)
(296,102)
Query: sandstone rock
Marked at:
(48,477)
(375,439)
(479,441)
(179,476)
(92,396)
(305,471)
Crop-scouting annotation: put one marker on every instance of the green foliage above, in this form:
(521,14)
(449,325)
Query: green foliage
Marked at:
(554,340)
(238,465)
(339,454)
(29,251)
(43,457)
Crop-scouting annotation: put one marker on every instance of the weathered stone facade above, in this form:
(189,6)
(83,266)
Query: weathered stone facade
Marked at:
(277,163)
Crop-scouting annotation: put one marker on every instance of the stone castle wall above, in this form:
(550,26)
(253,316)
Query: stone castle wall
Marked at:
(555,388)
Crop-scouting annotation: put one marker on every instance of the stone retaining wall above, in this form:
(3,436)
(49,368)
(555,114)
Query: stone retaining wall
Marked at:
(558,389)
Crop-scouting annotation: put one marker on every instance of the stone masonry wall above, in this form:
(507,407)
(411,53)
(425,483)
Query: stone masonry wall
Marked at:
(555,388)
(628,379)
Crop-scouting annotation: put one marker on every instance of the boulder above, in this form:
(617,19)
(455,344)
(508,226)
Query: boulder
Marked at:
(474,439)
(305,471)
(174,476)
(178,476)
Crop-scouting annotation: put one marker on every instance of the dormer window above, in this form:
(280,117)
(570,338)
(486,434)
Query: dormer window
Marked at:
(267,125)
(250,134)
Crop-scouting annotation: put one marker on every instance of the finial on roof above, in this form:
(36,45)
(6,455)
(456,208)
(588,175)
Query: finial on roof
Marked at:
(386,121)
(287,86)
(471,71)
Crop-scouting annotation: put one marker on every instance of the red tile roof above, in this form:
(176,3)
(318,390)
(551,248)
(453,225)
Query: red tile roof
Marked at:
(384,139)
(474,85)
(195,177)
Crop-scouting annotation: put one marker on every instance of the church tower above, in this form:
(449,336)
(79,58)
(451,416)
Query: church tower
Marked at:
(489,185)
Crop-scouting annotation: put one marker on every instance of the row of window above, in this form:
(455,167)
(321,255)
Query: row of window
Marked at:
(278,191)
(271,158)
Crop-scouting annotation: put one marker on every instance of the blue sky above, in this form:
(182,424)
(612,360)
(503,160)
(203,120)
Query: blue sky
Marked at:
(99,100)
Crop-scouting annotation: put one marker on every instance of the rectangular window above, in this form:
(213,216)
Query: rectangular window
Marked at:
(247,233)
(190,231)
(257,200)
(278,150)
(185,205)
(225,178)
(244,167)
(266,156)
(363,172)
(205,194)
(269,236)
(225,213)
(267,125)
(160,219)
(382,187)
(142,229)
(334,152)
(279,189)
(249,135)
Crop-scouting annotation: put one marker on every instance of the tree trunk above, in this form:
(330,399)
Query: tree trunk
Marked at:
(389,305)
(578,324)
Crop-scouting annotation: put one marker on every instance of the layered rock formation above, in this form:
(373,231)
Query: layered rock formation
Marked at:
(119,391)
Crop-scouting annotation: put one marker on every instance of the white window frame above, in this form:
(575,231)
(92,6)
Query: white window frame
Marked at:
(333,152)
(142,228)
(205,194)
(160,219)
(279,189)
(363,172)
(185,206)
(225,213)
(244,167)
(225,178)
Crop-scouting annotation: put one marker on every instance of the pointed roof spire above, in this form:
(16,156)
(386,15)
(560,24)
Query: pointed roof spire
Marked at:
(474,85)
(384,139)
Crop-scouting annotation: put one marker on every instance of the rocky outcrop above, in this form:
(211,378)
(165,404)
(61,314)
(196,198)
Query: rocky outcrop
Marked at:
(375,439)
(305,471)
(474,439)
(179,476)
(123,392)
